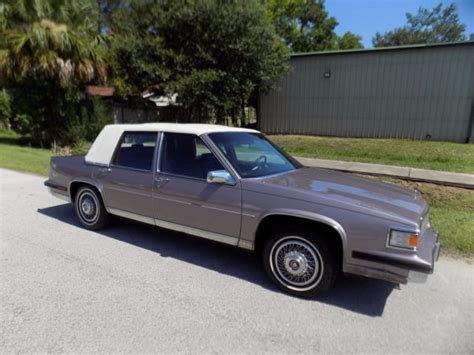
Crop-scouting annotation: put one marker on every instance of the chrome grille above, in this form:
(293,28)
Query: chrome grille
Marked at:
(424,223)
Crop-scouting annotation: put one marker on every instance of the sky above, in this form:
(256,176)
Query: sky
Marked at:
(366,17)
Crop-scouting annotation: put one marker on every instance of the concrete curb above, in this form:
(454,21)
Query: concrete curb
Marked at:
(433,176)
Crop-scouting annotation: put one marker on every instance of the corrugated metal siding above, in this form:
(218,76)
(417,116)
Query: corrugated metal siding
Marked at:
(409,93)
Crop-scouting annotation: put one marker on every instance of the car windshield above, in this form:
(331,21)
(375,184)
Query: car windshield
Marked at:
(252,155)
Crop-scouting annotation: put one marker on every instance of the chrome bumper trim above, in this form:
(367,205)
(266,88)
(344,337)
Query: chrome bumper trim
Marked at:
(59,195)
(375,273)
(395,260)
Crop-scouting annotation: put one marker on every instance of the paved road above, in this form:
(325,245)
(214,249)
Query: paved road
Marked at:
(135,288)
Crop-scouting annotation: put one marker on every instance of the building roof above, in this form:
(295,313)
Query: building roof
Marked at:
(381,49)
(104,145)
(105,91)
(162,101)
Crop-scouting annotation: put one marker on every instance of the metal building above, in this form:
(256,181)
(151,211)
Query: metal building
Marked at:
(417,92)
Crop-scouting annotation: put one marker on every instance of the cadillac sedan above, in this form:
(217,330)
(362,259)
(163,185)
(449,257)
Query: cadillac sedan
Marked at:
(234,186)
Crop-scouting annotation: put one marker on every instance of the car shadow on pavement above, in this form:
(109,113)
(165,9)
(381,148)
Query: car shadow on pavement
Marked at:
(353,293)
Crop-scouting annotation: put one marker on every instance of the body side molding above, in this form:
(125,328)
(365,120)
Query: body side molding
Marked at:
(178,227)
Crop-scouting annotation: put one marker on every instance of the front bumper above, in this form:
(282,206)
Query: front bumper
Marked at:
(399,267)
(420,277)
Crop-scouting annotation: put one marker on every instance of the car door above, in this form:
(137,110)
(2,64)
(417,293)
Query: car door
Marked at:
(128,181)
(182,197)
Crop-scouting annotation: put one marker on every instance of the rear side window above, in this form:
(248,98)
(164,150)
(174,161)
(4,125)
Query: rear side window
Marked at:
(136,150)
(187,155)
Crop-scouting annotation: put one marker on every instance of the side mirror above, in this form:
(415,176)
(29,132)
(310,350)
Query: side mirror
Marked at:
(220,177)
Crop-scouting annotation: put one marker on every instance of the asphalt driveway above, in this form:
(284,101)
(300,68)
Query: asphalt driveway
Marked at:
(135,288)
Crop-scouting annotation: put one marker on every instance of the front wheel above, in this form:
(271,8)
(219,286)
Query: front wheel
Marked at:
(300,263)
(89,208)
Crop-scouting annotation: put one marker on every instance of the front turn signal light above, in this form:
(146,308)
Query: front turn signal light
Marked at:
(403,239)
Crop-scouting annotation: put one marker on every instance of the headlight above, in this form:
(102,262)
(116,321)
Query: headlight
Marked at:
(403,239)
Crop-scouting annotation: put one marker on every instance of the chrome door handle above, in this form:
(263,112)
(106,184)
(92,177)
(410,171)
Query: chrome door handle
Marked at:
(101,172)
(160,181)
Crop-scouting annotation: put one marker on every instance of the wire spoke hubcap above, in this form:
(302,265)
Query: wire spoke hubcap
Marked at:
(296,263)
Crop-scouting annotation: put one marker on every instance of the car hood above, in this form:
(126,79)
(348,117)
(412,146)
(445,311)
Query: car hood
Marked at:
(349,191)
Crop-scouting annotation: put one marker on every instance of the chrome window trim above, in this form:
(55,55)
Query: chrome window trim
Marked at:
(205,140)
(130,169)
(159,146)
(235,171)
(221,157)
(182,176)
(100,165)
(117,147)
(226,239)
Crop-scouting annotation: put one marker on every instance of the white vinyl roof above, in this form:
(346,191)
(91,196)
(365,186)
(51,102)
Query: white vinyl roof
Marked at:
(104,145)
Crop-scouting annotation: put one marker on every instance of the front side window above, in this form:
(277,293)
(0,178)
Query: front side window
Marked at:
(187,155)
(252,154)
(136,150)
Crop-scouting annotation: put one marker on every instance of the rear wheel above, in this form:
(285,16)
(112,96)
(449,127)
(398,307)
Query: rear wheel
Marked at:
(300,263)
(90,209)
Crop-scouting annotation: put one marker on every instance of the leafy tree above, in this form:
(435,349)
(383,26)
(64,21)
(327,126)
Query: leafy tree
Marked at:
(426,26)
(5,108)
(349,40)
(304,25)
(51,50)
(214,54)
(106,9)
(78,14)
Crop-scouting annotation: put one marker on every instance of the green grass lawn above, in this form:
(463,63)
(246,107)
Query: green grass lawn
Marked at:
(452,213)
(452,209)
(418,154)
(16,155)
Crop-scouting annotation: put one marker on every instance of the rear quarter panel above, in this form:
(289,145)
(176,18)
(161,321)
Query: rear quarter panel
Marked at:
(65,170)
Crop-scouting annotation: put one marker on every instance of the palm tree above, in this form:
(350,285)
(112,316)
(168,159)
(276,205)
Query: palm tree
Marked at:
(51,39)
(49,50)
(81,14)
